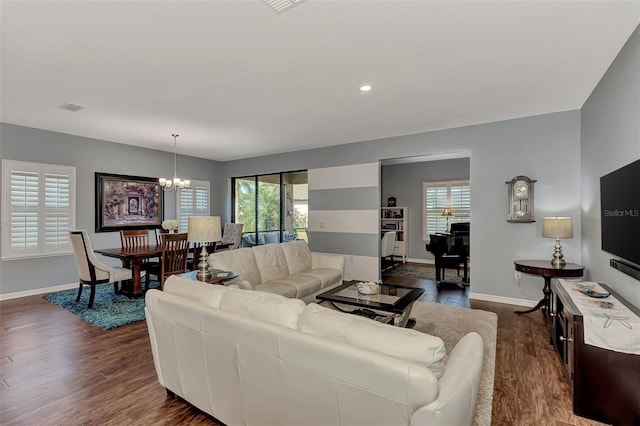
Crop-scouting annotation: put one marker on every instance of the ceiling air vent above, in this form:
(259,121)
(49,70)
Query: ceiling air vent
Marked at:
(71,107)
(282,6)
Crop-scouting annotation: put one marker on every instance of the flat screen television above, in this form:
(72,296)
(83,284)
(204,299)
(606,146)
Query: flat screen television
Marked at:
(620,215)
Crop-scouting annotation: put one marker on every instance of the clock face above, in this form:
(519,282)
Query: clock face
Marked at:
(520,189)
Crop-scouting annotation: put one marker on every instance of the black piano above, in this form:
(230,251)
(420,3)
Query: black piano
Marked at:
(451,250)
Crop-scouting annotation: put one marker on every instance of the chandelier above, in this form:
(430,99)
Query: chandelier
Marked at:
(175,183)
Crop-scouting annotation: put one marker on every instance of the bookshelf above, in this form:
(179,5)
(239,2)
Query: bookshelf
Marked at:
(395,219)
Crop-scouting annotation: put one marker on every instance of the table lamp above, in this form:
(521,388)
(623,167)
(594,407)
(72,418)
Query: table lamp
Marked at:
(448,213)
(204,229)
(557,227)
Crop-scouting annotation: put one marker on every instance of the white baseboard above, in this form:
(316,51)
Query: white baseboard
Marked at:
(424,261)
(501,299)
(37,291)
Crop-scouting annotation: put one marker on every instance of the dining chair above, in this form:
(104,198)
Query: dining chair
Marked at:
(386,249)
(135,238)
(175,250)
(90,270)
(158,233)
(231,234)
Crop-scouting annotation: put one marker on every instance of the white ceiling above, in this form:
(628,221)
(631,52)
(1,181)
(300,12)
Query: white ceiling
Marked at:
(238,80)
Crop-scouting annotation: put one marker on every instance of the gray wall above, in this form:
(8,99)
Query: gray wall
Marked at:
(499,151)
(610,140)
(404,181)
(88,156)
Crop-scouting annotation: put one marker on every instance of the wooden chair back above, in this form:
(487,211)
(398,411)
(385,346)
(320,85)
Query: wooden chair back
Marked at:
(158,233)
(134,238)
(175,250)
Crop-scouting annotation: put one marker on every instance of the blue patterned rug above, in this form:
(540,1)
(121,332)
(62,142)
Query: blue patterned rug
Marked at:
(109,310)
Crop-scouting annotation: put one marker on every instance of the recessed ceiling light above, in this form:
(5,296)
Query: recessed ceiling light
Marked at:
(366,87)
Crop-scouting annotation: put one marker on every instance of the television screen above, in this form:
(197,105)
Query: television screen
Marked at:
(620,216)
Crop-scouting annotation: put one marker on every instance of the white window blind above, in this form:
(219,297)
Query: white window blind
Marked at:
(193,201)
(439,195)
(38,209)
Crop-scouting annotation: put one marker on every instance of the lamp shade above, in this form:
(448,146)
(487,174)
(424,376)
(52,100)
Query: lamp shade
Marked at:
(204,229)
(557,227)
(447,212)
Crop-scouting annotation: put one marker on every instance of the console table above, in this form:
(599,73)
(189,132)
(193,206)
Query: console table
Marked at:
(545,269)
(605,383)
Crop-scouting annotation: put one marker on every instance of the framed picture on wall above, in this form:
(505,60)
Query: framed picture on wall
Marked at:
(127,202)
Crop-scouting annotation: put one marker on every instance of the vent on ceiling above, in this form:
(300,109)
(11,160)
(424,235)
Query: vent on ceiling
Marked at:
(281,6)
(71,107)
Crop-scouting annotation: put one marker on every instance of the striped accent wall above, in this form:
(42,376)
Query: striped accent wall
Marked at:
(344,209)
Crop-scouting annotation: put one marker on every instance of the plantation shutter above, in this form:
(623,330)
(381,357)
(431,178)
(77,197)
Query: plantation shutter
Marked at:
(439,195)
(24,211)
(57,216)
(38,209)
(193,201)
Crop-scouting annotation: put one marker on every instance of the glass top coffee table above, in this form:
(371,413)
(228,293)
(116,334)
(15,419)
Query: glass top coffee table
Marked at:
(391,304)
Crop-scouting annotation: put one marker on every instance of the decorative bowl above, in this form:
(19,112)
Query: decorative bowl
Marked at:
(585,285)
(367,287)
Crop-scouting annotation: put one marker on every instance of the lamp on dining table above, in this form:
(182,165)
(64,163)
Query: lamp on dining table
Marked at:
(204,229)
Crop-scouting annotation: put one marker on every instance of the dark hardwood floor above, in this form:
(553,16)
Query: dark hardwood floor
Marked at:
(56,369)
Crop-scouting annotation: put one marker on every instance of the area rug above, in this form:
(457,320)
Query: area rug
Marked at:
(451,323)
(423,271)
(109,310)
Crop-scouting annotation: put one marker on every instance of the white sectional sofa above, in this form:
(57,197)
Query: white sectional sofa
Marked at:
(289,269)
(254,358)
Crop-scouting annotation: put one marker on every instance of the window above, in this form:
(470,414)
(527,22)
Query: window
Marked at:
(438,195)
(38,209)
(193,201)
(272,208)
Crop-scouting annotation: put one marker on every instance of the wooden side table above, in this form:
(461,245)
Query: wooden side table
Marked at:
(545,269)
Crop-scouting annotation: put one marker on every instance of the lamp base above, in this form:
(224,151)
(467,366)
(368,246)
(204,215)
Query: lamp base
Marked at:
(558,258)
(203,273)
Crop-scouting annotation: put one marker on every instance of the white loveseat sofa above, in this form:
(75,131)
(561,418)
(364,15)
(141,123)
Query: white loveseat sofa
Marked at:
(254,358)
(289,269)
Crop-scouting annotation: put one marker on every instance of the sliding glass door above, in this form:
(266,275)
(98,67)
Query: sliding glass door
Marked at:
(273,207)
(268,212)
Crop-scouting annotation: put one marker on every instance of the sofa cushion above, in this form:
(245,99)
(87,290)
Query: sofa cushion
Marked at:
(327,276)
(271,237)
(241,261)
(304,284)
(298,256)
(277,287)
(198,291)
(270,262)
(409,345)
(271,308)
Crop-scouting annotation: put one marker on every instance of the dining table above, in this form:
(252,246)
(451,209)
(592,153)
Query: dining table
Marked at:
(133,257)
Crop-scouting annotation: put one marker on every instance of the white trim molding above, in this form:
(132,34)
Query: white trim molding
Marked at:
(37,291)
(501,299)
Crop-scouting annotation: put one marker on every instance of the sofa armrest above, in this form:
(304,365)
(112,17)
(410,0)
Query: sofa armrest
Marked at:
(458,393)
(323,260)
